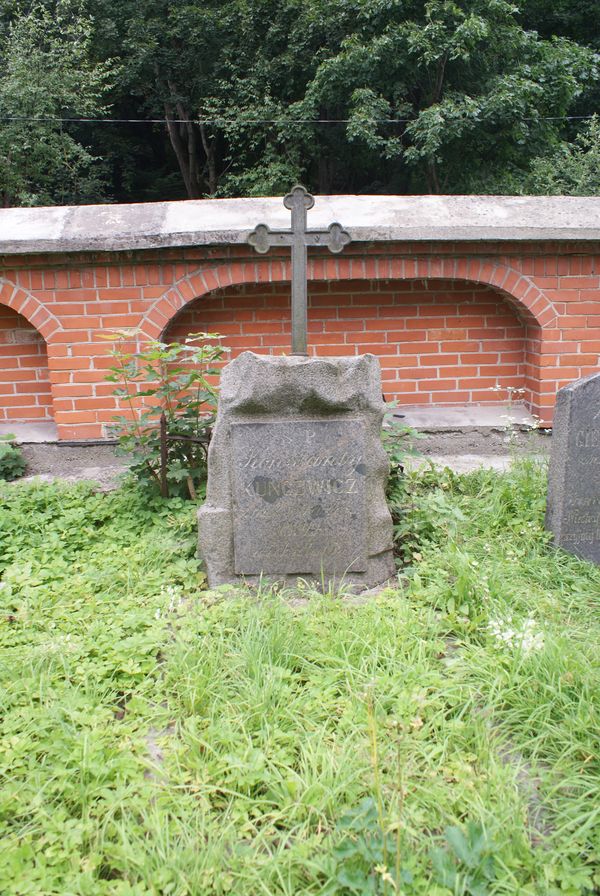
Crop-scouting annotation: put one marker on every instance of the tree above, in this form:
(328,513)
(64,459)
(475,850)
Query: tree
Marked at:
(176,65)
(46,74)
(383,96)
(464,91)
(579,21)
(573,169)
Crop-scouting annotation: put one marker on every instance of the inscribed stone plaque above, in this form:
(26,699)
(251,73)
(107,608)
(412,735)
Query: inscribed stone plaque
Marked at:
(299,497)
(573,511)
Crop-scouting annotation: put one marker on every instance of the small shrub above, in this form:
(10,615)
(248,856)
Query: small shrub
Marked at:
(173,379)
(12,462)
(397,440)
(421,511)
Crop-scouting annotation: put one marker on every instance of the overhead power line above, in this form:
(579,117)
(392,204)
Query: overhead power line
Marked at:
(224,121)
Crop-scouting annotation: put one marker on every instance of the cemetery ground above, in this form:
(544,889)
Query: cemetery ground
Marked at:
(440,737)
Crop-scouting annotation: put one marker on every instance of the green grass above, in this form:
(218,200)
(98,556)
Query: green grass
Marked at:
(161,739)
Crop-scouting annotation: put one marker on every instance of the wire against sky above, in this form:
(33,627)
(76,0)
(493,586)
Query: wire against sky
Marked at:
(225,121)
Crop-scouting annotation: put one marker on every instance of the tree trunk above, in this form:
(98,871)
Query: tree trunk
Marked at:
(439,78)
(183,140)
(433,181)
(210,150)
(324,174)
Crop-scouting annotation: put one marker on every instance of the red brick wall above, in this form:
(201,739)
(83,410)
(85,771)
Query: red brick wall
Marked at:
(439,342)
(24,377)
(448,320)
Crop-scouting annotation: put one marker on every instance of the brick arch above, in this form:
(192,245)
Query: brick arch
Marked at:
(26,391)
(516,287)
(30,308)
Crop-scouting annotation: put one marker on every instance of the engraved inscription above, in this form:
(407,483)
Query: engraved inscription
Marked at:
(573,511)
(272,489)
(583,538)
(581,523)
(299,497)
(581,511)
(587,438)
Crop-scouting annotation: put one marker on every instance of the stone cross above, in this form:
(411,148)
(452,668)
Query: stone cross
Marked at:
(299,201)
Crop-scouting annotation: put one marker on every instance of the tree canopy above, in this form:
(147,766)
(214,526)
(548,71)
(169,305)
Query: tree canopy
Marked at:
(244,97)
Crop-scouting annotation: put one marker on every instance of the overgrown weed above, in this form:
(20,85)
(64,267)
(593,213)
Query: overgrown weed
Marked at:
(266,713)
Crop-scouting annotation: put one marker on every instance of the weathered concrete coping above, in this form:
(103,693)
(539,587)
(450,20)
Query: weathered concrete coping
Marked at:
(229,221)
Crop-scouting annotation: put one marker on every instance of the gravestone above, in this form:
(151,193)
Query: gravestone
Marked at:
(573,508)
(297,474)
(296,468)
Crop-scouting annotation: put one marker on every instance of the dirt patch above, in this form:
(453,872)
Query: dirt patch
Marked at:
(96,463)
(487,442)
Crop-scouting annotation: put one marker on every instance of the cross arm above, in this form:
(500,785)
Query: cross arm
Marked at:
(263,238)
(335,238)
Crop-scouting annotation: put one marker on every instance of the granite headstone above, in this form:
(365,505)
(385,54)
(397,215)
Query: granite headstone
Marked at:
(573,508)
(297,473)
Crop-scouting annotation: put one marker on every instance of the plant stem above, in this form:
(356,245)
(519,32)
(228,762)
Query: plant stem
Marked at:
(128,385)
(164,457)
(400,811)
(191,488)
(376,778)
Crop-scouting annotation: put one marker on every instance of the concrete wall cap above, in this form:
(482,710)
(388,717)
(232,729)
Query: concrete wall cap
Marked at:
(152,225)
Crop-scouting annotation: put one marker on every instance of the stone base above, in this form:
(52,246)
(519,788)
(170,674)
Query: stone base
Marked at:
(296,475)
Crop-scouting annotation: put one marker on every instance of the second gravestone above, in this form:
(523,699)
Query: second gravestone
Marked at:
(297,474)
(573,510)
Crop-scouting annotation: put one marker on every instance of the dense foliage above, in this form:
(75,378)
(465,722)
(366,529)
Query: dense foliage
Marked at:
(157,739)
(383,96)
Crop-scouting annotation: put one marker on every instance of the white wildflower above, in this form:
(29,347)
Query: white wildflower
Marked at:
(522,634)
(171,593)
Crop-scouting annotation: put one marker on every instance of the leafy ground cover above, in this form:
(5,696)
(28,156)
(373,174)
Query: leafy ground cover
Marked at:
(158,738)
